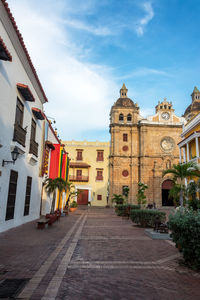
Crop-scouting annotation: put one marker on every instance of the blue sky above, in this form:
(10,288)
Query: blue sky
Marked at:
(84,50)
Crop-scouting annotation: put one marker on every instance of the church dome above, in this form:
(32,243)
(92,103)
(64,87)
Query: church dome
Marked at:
(193,108)
(124,101)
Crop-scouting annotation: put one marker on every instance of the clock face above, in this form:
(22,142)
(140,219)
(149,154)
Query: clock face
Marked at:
(165,116)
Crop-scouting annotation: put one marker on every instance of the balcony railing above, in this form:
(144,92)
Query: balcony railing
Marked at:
(33,148)
(19,135)
(78,178)
(99,178)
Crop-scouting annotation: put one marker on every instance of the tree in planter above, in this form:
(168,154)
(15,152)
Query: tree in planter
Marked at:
(141,198)
(118,199)
(181,172)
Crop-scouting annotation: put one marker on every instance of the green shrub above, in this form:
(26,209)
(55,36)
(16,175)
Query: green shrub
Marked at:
(118,199)
(185,226)
(146,217)
(73,204)
(121,209)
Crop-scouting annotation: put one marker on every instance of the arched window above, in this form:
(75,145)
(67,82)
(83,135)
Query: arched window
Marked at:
(121,117)
(129,118)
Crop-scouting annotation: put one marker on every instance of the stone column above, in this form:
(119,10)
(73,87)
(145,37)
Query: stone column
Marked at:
(188,157)
(197,146)
(180,156)
(184,156)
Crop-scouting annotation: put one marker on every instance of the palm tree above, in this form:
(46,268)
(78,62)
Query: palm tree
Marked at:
(62,186)
(52,185)
(51,189)
(118,199)
(181,172)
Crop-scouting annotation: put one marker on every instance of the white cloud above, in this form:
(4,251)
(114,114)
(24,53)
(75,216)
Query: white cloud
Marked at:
(141,72)
(100,30)
(140,27)
(80,95)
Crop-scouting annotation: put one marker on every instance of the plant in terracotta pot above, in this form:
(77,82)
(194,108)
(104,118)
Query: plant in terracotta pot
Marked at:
(73,206)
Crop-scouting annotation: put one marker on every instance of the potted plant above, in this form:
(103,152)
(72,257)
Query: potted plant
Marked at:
(73,206)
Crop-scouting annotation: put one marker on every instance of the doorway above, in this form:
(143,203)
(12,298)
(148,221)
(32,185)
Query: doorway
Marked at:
(82,198)
(166,187)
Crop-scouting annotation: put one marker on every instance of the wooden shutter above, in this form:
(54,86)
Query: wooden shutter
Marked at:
(11,195)
(28,196)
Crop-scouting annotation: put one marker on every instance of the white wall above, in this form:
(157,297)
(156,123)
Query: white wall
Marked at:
(12,73)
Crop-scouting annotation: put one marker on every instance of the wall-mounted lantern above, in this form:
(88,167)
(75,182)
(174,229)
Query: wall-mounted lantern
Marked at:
(14,154)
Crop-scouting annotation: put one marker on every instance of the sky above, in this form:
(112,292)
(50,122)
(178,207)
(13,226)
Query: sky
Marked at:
(84,50)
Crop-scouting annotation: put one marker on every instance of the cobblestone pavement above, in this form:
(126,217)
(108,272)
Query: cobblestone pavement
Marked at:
(93,254)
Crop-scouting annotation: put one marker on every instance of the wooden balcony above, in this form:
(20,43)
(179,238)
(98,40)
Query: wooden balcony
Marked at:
(19,135)
(79,178)
(33,148)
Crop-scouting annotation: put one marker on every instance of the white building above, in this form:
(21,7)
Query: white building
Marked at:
(21,122)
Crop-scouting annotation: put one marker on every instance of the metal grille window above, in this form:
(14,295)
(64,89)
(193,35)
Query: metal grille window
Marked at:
(28,196)
(11,195)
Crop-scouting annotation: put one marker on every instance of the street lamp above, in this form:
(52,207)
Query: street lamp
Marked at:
(14,154)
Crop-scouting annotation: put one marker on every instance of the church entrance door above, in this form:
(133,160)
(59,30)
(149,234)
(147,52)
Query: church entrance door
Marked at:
(166,187)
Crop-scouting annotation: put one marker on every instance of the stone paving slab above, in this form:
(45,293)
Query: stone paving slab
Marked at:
(93,254)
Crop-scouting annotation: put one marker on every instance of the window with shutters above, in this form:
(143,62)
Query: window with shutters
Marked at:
(79,155)
(28,196)
(125,137)
(19,113)
(33,143)
(99,155)
(10,210)
(99,175)
(99,197)
(19,133)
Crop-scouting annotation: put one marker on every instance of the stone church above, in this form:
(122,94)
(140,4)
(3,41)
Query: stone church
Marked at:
(141,148)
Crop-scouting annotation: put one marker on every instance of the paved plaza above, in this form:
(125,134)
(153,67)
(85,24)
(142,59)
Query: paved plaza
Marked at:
(93,254)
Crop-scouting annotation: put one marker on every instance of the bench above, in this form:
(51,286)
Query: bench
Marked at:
(41,223)
(51,218)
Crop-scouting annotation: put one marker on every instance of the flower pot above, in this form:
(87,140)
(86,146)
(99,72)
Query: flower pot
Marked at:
(72,209)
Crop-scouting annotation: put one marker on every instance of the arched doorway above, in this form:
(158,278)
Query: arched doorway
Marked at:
(166,187)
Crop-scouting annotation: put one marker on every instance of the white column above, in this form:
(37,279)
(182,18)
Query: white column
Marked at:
(197,146)
(188,157)
(180,158)
(184,156)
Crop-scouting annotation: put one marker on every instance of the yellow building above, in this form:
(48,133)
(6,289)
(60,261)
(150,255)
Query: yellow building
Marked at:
(88,170)
(190,143)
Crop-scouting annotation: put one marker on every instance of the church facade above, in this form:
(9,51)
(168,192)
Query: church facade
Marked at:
(141,148)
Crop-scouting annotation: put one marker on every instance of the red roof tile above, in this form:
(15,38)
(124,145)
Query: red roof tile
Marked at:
(4,53)
(26,92)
